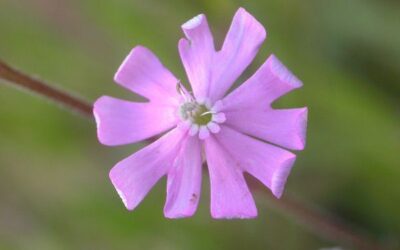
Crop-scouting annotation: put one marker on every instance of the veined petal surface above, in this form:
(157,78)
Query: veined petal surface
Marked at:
(144,74)
(121,122)
(268,163)
(241,45)
(252,101)
(134,176)
(197,52)
(184,181)
(230,195)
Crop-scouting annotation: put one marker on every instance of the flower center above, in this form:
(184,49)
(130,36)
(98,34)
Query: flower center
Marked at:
(201,118)
(197,113)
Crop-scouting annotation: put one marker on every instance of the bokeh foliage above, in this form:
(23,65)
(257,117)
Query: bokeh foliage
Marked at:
(54,187)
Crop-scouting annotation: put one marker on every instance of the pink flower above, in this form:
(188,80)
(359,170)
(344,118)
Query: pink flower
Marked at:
(236,133)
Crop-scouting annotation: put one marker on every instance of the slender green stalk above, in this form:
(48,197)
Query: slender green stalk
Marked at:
(317,222)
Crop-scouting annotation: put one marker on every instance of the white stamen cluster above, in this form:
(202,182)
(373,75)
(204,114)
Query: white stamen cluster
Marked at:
(201,118)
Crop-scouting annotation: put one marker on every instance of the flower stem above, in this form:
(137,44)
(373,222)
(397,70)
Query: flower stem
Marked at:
(317,222)
(56,95)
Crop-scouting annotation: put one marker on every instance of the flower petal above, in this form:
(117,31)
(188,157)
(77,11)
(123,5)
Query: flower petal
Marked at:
(241,45)
(271,81)
(122,122)
(134,176)
(196,54)
(270,164)
(284,127)
(142,73)
(230,195)
(184,181)
(252,100)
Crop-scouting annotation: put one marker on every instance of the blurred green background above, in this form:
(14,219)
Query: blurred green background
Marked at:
(54,186)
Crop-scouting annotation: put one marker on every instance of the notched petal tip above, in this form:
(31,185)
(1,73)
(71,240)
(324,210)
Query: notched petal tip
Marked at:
(96,114)
(280,176)
(303,117)
(242,12)
(282,72)
(98,119)
(178,215)
(193,23)
(250,215)
(121,194)
(119,75)
(183,46)
(197,31)
(102,126)
(300,136)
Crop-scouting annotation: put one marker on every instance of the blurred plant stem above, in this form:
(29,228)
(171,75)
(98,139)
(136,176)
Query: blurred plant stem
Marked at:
(304,214)
(316,220)
(36,86)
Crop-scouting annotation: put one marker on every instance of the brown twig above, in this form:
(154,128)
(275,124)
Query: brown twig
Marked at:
(317,222)
(36,86)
